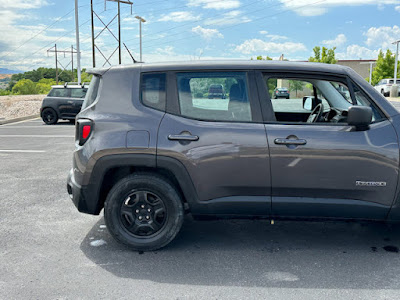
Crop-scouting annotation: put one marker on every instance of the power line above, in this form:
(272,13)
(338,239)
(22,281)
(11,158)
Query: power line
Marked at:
(254,20)
(199,21)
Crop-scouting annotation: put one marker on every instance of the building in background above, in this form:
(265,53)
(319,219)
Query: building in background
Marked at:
(361,66)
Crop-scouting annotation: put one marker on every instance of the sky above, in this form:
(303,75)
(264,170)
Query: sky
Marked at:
(196,29)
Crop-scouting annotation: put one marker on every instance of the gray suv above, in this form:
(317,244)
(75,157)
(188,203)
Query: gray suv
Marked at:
(151,146)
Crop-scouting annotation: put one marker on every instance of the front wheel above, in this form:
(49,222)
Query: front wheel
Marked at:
(49,116)
(144,212)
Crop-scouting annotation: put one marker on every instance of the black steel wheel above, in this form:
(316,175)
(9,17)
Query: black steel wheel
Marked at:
(144,212)
(49,116)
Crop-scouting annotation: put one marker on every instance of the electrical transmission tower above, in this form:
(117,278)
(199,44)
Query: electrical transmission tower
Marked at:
(71,62)
(106,27)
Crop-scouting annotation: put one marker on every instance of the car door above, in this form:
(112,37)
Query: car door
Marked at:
(65,104)
(77,96)
(220,142)
(328,169)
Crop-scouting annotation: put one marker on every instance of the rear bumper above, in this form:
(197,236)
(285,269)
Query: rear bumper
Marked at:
(81,196)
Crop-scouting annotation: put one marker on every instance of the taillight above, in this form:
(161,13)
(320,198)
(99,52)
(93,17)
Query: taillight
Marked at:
(84,128)
(86,131)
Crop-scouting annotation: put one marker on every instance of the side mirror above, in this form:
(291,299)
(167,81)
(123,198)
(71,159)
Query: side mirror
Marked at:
(307,103)
(359,117)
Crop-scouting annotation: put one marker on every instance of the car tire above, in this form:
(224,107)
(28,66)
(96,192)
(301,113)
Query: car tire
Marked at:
(288,97)
(143,212)
(382,92)
(72,121)
(49,116)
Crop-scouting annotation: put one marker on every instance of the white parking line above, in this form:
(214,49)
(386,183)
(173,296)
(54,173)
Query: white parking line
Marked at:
(29,120)
(23,151)
(34,126)
(37,136)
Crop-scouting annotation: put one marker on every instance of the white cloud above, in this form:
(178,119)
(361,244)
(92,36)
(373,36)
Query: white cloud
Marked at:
(357,52)
(397,8)
(338,41)
(179,16)
(256,46)
(229,18)
(313,8)
(207,33)
(223,4)
(273,37)
(22,4)
(382,37)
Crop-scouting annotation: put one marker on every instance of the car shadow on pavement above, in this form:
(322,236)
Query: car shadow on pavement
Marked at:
(256,253)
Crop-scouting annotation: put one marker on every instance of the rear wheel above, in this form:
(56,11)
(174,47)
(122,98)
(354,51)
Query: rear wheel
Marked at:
(144,212)
(49,116)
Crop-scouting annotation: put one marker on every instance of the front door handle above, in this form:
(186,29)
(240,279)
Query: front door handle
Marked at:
(296,142)
(183,137)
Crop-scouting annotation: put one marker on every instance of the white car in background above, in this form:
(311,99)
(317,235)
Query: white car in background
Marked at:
(384,86)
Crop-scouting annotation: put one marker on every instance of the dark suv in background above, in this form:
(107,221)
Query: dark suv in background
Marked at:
(63,102)
(151,146)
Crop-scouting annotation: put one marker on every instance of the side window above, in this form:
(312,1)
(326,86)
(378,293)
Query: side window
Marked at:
(59,92)
(78,93)
(153,91)
(288,97)
(214,96)
(315,100)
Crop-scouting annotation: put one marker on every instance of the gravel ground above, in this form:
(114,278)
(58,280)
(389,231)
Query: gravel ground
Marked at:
(19,106)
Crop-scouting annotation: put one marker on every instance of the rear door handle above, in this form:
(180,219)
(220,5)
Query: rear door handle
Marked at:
(183,137)
(290,142)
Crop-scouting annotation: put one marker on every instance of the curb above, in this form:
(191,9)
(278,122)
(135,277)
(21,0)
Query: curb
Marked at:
(19,119)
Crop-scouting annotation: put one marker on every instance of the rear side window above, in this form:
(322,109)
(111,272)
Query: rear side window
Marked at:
(91,93)
(78,93)
(59,92)
(214,96)
(152,90)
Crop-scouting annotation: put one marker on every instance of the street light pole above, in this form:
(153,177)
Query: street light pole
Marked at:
(394,91)
(78,51)
(370,68)
(141,20)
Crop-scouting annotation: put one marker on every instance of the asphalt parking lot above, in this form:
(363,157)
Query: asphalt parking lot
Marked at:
(50,251)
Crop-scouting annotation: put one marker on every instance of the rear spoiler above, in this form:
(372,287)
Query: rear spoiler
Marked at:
(97,71)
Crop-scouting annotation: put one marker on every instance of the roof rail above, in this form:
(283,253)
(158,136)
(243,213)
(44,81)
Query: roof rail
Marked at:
(76,83)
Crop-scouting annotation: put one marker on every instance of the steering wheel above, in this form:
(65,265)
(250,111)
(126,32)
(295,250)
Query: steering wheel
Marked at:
(316,114)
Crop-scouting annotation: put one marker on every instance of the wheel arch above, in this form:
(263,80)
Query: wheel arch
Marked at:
(109,169)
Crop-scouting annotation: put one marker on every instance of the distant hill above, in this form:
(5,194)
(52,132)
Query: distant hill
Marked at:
(7,71)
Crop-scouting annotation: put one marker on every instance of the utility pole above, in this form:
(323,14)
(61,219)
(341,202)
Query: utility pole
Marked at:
(78,49)
(54,50)
(141,20)
(370,68)
(394,91)
(106,27)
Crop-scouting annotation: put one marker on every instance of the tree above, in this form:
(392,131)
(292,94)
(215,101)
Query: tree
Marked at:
(261,58)
(296,85)
(384,67)
(25,87)
(44,85)
(326,56)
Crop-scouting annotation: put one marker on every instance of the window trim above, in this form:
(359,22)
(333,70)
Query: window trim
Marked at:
(166,90)
(173,105)
(267,105)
